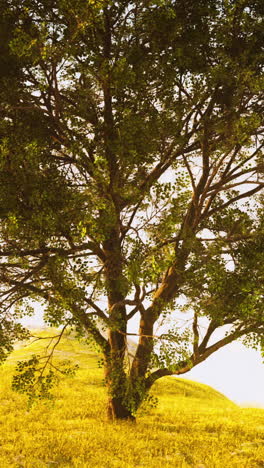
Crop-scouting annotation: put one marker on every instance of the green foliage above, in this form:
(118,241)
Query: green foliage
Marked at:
(10,332)
(26,381)
(36,378)
(172,349)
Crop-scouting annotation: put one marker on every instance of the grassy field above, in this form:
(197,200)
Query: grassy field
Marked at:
(192,426)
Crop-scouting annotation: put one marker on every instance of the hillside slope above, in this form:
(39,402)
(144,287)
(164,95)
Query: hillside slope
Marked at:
(193,425)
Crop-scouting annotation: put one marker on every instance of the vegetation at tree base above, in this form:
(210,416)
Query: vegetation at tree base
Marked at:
(192,426)
(131,173)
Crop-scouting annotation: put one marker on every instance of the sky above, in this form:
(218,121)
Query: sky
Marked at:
(235,371)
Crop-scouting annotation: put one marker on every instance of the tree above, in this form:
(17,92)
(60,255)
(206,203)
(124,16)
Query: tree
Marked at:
(132,169)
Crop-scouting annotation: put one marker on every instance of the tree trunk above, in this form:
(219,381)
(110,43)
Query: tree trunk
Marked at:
(124,396)
(117,411)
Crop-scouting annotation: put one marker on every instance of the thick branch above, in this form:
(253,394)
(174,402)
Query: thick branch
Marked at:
(57,250)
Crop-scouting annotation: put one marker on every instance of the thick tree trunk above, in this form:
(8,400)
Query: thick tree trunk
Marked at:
(124,395)
(117,411)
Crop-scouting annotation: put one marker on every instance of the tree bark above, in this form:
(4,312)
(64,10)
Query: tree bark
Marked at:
(116,410)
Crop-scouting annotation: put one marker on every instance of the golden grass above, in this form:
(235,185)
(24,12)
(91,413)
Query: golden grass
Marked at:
(192,426)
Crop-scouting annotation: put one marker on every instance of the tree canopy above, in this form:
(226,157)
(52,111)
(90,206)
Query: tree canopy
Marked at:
(131,173)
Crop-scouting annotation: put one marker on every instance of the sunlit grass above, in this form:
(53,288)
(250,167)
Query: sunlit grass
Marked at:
(192,426)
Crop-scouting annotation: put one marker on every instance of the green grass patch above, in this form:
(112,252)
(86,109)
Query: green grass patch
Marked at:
(192,426)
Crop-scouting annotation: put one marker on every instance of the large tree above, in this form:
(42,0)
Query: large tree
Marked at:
(131,176)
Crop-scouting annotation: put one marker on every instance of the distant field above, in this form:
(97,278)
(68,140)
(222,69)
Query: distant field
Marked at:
(192,426)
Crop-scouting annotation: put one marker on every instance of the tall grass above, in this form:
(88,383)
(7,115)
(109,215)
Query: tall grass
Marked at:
(192,426)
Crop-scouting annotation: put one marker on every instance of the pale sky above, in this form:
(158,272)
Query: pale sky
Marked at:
(235,371)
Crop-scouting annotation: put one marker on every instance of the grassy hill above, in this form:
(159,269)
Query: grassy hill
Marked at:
(192,426)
